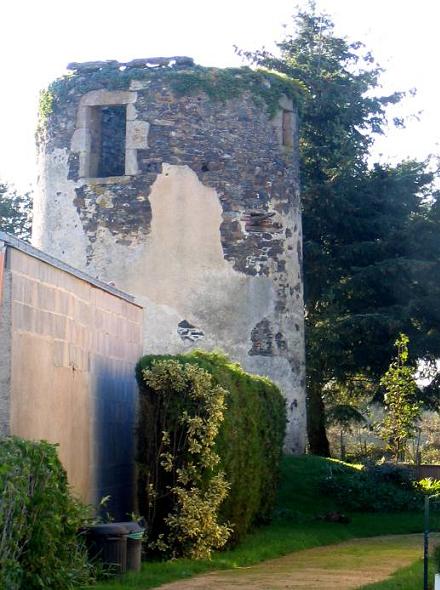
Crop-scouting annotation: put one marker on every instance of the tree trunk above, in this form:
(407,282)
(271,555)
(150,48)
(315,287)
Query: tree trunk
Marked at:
(342,445)
(317,434)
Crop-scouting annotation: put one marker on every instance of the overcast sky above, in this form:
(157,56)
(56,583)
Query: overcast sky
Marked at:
(39,37)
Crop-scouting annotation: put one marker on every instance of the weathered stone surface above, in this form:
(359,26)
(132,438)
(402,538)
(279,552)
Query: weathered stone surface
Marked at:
(137,134)
(204,226)
(188,332)
(91,66)
(178,60)
(106,97)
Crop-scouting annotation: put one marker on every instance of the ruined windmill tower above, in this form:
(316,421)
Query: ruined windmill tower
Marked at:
(179,184)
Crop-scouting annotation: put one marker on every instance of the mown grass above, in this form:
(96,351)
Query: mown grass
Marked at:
(296,526)
(407,578)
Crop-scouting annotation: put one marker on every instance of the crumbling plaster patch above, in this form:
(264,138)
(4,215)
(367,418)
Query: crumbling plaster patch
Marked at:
(54,209)
(179,265)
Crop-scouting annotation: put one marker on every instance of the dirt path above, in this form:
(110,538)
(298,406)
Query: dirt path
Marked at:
(345,566)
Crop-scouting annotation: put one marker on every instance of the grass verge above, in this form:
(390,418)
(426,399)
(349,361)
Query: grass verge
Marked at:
(295,527)
(407,578)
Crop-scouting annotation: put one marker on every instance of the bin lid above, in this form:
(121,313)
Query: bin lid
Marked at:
(132,526)
(112,528)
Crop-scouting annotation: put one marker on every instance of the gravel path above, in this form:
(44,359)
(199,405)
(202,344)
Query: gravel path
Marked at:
(345,566)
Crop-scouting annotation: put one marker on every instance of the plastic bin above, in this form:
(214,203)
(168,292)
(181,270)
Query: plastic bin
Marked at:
(108,543)
(134,545)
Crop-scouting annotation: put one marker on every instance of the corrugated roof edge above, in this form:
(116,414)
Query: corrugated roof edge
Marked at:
(23,246)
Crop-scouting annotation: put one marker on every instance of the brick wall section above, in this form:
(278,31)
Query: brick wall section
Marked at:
(73,352)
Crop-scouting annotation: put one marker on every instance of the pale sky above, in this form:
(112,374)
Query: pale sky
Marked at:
(39,37)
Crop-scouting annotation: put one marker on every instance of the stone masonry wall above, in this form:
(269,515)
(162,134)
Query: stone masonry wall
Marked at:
(204,227)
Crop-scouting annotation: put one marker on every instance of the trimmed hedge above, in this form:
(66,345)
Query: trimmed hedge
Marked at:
(39,520)
(249,443)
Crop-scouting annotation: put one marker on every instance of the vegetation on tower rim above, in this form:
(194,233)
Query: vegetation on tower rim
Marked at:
(219,84)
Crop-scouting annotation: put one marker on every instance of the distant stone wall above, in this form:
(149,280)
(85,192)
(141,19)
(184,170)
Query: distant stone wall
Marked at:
(423,471)
(71,349)
(204,226)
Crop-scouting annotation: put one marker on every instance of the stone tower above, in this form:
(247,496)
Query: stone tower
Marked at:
(179,184)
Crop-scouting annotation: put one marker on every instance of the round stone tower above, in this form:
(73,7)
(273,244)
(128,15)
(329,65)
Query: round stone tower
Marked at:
(179,184)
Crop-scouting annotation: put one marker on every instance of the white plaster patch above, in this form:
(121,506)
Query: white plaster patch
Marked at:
(81,140)
(278,369)
(160,328)
(56,227)
(180,266)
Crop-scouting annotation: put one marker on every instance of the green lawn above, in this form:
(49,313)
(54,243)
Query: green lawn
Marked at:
(407,578)
(294,527)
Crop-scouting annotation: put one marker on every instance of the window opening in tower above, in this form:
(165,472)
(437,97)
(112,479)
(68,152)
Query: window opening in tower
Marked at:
(112,141)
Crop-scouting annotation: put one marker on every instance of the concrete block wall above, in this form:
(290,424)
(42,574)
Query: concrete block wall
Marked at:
(68,371)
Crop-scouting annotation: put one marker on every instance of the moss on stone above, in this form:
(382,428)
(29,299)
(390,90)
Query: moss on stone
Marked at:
(45,108)
(219,84)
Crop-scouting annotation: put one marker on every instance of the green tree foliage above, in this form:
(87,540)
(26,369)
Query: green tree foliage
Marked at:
(15,212)
(371,239)
(347,407)
(40,548)
(402,412)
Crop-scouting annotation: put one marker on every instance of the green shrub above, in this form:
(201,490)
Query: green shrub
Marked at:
(182,487)
(39,520)
(428,486)
(378,488)
(249,442)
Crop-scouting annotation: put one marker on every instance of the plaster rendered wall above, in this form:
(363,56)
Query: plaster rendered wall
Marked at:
(5,343)
(204,228)
(73,351)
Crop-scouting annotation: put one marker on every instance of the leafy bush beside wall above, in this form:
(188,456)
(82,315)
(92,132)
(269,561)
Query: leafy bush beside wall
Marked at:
(375,488)
(39,520)
(181,411)
(249,442)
